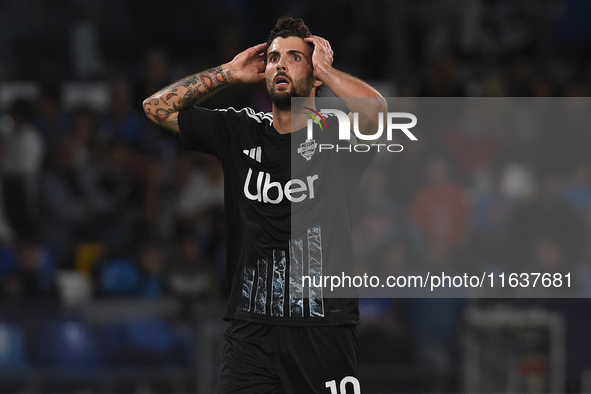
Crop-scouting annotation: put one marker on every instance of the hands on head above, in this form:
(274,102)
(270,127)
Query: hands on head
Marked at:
(249,65)
(322,57)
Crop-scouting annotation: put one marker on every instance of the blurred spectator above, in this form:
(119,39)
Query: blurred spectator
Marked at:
(157,204)
(434,327)
(518,182)
(545,226)
(491,215)
(214,245)
(576,90)
(440,209)
(519,78)
(22,159)
(191,276)
(493,86)
(151,263)
(87,58)
(380,223)
(118,276)
(398,260)
(66,209)
(383,336)
(33,42)
(404,172)
(107,187)
(548,254)
(576,193)
(201,189)
(542,87)
(8,261)
(123,120)
(560,153)
(84,131)
(51,119)
(473,143)
(441,80)
(6,231)
(141,274)
(32,275)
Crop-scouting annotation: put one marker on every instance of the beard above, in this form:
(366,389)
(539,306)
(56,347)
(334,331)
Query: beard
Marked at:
(282,99)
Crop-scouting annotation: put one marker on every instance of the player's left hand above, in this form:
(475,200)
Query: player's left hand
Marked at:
(322,56)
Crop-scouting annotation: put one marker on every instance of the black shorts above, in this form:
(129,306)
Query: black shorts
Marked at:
(269,359)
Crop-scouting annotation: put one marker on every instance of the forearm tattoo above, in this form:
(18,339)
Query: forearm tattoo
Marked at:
(185,93)
(215,77)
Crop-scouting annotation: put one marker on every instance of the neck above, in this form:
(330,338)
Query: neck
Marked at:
(282,117)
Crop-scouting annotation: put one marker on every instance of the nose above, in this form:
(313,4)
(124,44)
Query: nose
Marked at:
(281,64)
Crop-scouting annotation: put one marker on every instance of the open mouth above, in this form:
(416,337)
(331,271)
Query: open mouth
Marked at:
(281,81)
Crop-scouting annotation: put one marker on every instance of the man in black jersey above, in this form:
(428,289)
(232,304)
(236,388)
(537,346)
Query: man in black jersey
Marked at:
(281,338)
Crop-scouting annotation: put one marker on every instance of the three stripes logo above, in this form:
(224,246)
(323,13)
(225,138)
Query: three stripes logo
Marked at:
(308,147)
(254,153)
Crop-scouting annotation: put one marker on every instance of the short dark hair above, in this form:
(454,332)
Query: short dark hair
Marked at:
(289,27)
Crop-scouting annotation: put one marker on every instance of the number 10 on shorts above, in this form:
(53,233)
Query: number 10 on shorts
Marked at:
(332,385)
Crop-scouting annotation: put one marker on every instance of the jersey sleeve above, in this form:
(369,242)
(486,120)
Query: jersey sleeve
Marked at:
(204,130)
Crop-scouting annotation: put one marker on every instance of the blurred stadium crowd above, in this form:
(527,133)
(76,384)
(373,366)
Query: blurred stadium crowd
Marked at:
(98,190)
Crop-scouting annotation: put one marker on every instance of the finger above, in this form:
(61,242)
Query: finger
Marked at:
(325,44)
(260,47)
(317,39)
(319,42)
(312,39)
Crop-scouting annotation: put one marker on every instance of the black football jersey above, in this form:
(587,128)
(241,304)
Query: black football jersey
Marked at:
(289,208)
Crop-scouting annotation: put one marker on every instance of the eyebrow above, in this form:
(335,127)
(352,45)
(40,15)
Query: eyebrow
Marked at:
(290,52)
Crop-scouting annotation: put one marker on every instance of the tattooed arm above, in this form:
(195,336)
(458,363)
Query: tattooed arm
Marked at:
(163,107)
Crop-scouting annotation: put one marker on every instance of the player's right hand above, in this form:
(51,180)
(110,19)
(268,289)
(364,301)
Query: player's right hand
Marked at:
(249,66)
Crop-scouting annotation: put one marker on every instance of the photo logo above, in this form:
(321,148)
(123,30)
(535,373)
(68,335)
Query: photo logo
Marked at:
(402,121)
(308,147)
(318,114)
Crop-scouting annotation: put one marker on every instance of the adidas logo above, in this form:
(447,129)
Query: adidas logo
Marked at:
(254,153)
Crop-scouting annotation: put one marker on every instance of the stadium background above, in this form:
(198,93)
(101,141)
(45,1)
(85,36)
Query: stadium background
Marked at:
(111,237)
